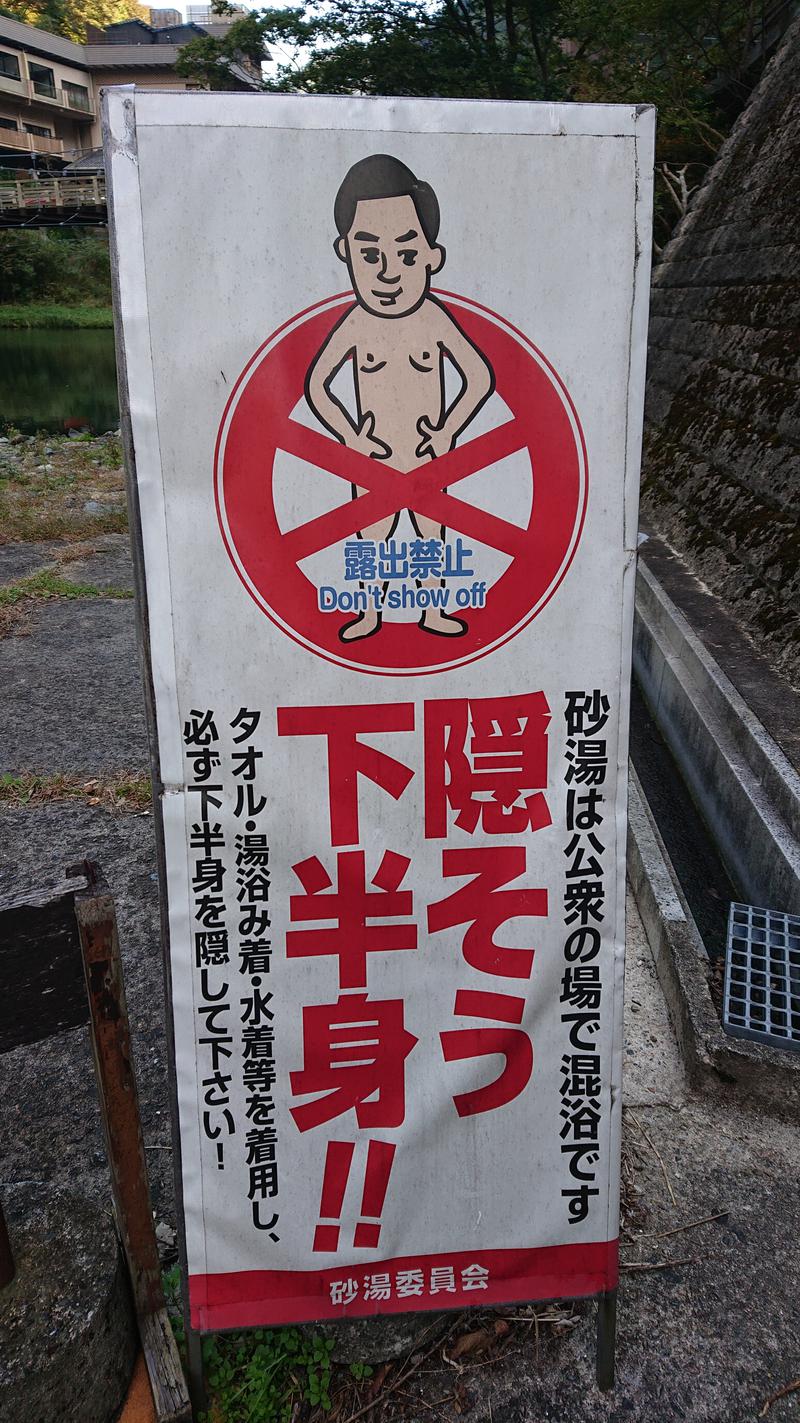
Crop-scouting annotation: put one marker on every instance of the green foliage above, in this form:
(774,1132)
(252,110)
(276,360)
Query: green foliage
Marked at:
(361,1371)
(665,51)
(171,1281)
(70,17)
(256,1377)
(360,46)
(208,58)
(53,317)
(60,266)
(672,53)
(693,59)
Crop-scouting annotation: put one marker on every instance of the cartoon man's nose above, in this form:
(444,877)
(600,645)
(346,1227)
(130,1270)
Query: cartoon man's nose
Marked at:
(382,277)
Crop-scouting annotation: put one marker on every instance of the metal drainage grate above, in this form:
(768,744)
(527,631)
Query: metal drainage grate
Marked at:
(762,976)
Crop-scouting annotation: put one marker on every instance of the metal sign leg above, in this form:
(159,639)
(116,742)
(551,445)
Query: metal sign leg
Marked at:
(194,1361)
(606,1339)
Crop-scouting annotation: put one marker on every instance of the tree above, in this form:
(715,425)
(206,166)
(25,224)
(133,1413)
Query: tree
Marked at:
(70,17)
(63,265)
(458,48)
(207,60)
(693,59)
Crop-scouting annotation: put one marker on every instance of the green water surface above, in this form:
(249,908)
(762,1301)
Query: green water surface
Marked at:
(53,380)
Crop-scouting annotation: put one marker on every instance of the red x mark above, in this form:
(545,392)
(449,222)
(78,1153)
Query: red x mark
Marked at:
(391,490)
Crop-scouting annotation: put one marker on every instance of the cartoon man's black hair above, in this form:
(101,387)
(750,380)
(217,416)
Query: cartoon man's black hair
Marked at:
(381,176)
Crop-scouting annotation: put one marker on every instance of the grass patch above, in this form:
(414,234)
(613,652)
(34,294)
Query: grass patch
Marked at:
(48,583)
(74,552)
(55,317)
(46,482)
(126,790)
(29,522)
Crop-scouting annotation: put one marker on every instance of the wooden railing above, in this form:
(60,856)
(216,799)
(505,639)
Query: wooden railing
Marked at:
(29,142)
(35,91)
(53,193)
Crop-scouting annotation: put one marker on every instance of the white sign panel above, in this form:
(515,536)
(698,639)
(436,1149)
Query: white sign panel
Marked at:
(385,367)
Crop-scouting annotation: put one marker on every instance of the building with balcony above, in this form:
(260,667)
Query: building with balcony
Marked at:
(50,86)
(206,15)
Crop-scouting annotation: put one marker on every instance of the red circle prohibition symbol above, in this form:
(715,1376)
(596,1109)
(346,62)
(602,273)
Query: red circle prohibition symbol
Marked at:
(257,425)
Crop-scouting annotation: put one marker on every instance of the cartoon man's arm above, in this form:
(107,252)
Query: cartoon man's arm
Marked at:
(339,348)
(478,378)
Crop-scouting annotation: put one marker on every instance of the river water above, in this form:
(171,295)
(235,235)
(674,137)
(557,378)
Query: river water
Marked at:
(57,380)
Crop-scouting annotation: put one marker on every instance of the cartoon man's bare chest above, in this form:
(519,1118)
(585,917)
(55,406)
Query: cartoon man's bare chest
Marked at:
(399,359)
(401,348)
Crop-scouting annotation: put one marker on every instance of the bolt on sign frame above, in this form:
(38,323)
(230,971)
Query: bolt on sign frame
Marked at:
(382,374)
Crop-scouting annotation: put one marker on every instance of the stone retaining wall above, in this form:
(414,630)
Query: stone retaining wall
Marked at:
(721,471)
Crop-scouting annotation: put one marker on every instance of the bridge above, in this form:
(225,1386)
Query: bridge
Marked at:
(54,202)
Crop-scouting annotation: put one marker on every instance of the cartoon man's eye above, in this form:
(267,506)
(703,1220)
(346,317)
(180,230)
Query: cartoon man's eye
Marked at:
(409,258)
(371,255)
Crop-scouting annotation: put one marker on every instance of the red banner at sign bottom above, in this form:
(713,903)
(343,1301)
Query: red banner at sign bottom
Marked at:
(248,1298)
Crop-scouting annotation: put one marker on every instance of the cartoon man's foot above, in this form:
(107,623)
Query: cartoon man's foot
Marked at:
(365,625)
(443,624)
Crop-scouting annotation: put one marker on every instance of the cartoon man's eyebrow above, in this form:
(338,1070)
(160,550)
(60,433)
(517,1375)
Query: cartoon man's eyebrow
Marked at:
(365,237)
(407,236)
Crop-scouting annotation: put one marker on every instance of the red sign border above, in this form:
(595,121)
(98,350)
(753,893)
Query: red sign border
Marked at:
(249,1299)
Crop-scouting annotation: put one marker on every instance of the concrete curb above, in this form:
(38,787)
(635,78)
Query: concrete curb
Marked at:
(745,787)
(731,1067)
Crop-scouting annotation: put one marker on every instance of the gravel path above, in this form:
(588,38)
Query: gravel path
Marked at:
(71,683)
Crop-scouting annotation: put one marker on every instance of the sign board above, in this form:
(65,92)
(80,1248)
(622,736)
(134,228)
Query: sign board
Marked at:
(384,362)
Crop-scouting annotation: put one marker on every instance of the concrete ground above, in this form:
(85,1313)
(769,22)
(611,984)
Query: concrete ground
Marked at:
(708,1326)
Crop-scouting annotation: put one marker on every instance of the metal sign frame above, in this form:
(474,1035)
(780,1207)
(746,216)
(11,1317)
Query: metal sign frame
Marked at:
(119,127)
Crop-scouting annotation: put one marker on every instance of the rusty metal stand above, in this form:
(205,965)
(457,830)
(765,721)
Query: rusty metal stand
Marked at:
(606,1339)
(119,1105)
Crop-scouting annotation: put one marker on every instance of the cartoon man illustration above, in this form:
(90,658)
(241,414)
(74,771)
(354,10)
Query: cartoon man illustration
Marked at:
(397,338)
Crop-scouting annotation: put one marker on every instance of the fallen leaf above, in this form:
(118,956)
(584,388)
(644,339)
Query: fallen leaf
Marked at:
(378,1380)
(463,1402)
(471,1343)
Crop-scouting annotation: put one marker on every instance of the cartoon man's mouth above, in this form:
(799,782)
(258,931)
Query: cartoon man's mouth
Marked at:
(387,298)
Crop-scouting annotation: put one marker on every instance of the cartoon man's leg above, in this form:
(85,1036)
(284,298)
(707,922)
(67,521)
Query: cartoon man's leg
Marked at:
(436,619)
(369,622)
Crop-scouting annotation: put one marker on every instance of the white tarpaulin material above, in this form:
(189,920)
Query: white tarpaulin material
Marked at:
(384,361)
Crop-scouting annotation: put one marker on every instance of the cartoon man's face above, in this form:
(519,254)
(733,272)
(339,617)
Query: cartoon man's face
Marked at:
(388,255)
